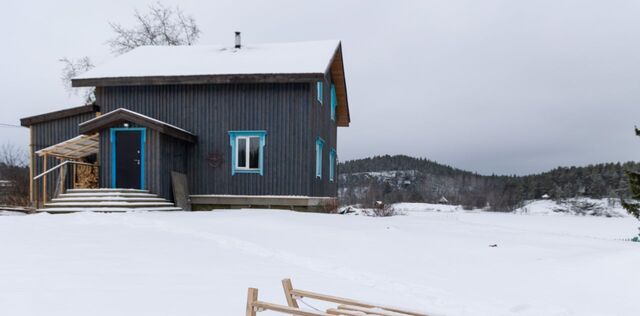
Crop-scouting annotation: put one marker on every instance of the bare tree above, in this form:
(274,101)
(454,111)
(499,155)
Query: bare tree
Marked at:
(161,25)
(12,155)
(72,68)
(14,175)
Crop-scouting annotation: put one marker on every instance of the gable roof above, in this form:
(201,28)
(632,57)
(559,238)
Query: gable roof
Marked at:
(56,115)
(209,64)
(121,115)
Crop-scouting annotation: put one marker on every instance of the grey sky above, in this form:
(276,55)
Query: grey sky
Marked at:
(489,86)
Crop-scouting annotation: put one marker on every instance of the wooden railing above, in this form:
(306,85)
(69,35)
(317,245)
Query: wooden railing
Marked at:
(59,182)
(346,307)
(59,166)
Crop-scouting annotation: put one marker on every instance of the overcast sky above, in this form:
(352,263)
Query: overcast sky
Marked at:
(490,86)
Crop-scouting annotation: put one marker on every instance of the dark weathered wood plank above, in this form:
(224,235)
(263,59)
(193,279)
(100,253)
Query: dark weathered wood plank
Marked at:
(57,115)
(199,79)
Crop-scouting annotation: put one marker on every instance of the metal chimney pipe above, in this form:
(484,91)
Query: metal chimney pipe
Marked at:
(238,42)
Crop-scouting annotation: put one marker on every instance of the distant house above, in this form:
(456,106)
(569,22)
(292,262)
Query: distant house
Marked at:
(443,200)
(247,126)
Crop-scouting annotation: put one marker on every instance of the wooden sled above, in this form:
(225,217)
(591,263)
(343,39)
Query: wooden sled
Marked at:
(345,307)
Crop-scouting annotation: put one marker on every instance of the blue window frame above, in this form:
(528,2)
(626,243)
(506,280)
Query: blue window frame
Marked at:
(332,164)
(143,140)
(334,102)
(319,146)
(247,151)
(319,94)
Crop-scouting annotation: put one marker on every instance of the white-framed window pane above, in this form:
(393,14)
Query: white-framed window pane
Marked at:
(318,160)
(319,93)
(242,152)
(332,165)
(254,152)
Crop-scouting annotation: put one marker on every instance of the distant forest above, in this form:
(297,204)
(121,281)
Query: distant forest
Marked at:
(406,179)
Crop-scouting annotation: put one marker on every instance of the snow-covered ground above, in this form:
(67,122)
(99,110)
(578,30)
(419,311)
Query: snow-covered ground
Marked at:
(201,263)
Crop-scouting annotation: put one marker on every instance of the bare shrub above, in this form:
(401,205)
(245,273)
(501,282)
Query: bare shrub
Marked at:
(383,210)
(331,206)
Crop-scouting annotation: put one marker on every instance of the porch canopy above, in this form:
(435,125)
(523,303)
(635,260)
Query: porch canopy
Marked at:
(74,149)
(119,116)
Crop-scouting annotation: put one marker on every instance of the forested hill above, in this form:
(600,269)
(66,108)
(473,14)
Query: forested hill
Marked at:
(403,178)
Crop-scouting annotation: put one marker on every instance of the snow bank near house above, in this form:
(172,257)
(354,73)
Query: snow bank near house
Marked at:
(201,263)
(427,207)
(574,206)
(403,209)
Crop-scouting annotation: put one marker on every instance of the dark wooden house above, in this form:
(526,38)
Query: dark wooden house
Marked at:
(241,126)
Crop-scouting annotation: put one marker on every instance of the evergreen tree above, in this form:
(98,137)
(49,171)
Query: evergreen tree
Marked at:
(633,207)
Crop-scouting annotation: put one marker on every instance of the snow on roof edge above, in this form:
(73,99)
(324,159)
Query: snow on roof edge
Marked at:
(139,115)
(307,57)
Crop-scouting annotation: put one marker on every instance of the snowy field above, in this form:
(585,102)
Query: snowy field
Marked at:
(201,263)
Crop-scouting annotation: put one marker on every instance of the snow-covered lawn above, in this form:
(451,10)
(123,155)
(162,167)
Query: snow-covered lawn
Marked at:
(201,263)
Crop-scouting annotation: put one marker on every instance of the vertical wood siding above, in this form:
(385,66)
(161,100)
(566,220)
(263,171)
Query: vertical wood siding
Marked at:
(288,112)
(321,125)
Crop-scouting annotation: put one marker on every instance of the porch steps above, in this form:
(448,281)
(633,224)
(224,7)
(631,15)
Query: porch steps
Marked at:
(107,200)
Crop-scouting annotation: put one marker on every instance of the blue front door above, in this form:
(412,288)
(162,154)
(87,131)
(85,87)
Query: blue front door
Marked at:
(127,161)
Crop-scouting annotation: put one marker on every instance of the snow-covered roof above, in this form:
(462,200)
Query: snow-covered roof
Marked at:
(124,115)
(311,57)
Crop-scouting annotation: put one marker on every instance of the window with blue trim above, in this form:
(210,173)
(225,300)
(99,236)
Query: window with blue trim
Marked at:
(332,164)
(319,91)
(334,102)
(319,146)
(247,151)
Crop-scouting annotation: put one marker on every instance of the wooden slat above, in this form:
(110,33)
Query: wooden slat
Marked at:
(370,311)
(288,287)
(345,301)
(252,298)
(286,309)
(335,311)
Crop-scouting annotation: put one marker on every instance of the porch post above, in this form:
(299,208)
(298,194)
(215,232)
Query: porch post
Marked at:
(32,197)
(44,180)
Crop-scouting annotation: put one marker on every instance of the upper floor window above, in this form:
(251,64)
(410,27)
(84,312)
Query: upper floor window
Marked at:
(332,164)
(319,146)
(319,91)
(334,102)
(247,151)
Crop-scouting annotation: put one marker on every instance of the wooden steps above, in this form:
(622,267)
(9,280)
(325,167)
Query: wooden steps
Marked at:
(107,200)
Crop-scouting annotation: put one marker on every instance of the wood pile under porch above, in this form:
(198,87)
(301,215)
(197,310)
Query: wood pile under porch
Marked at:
(73,170)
